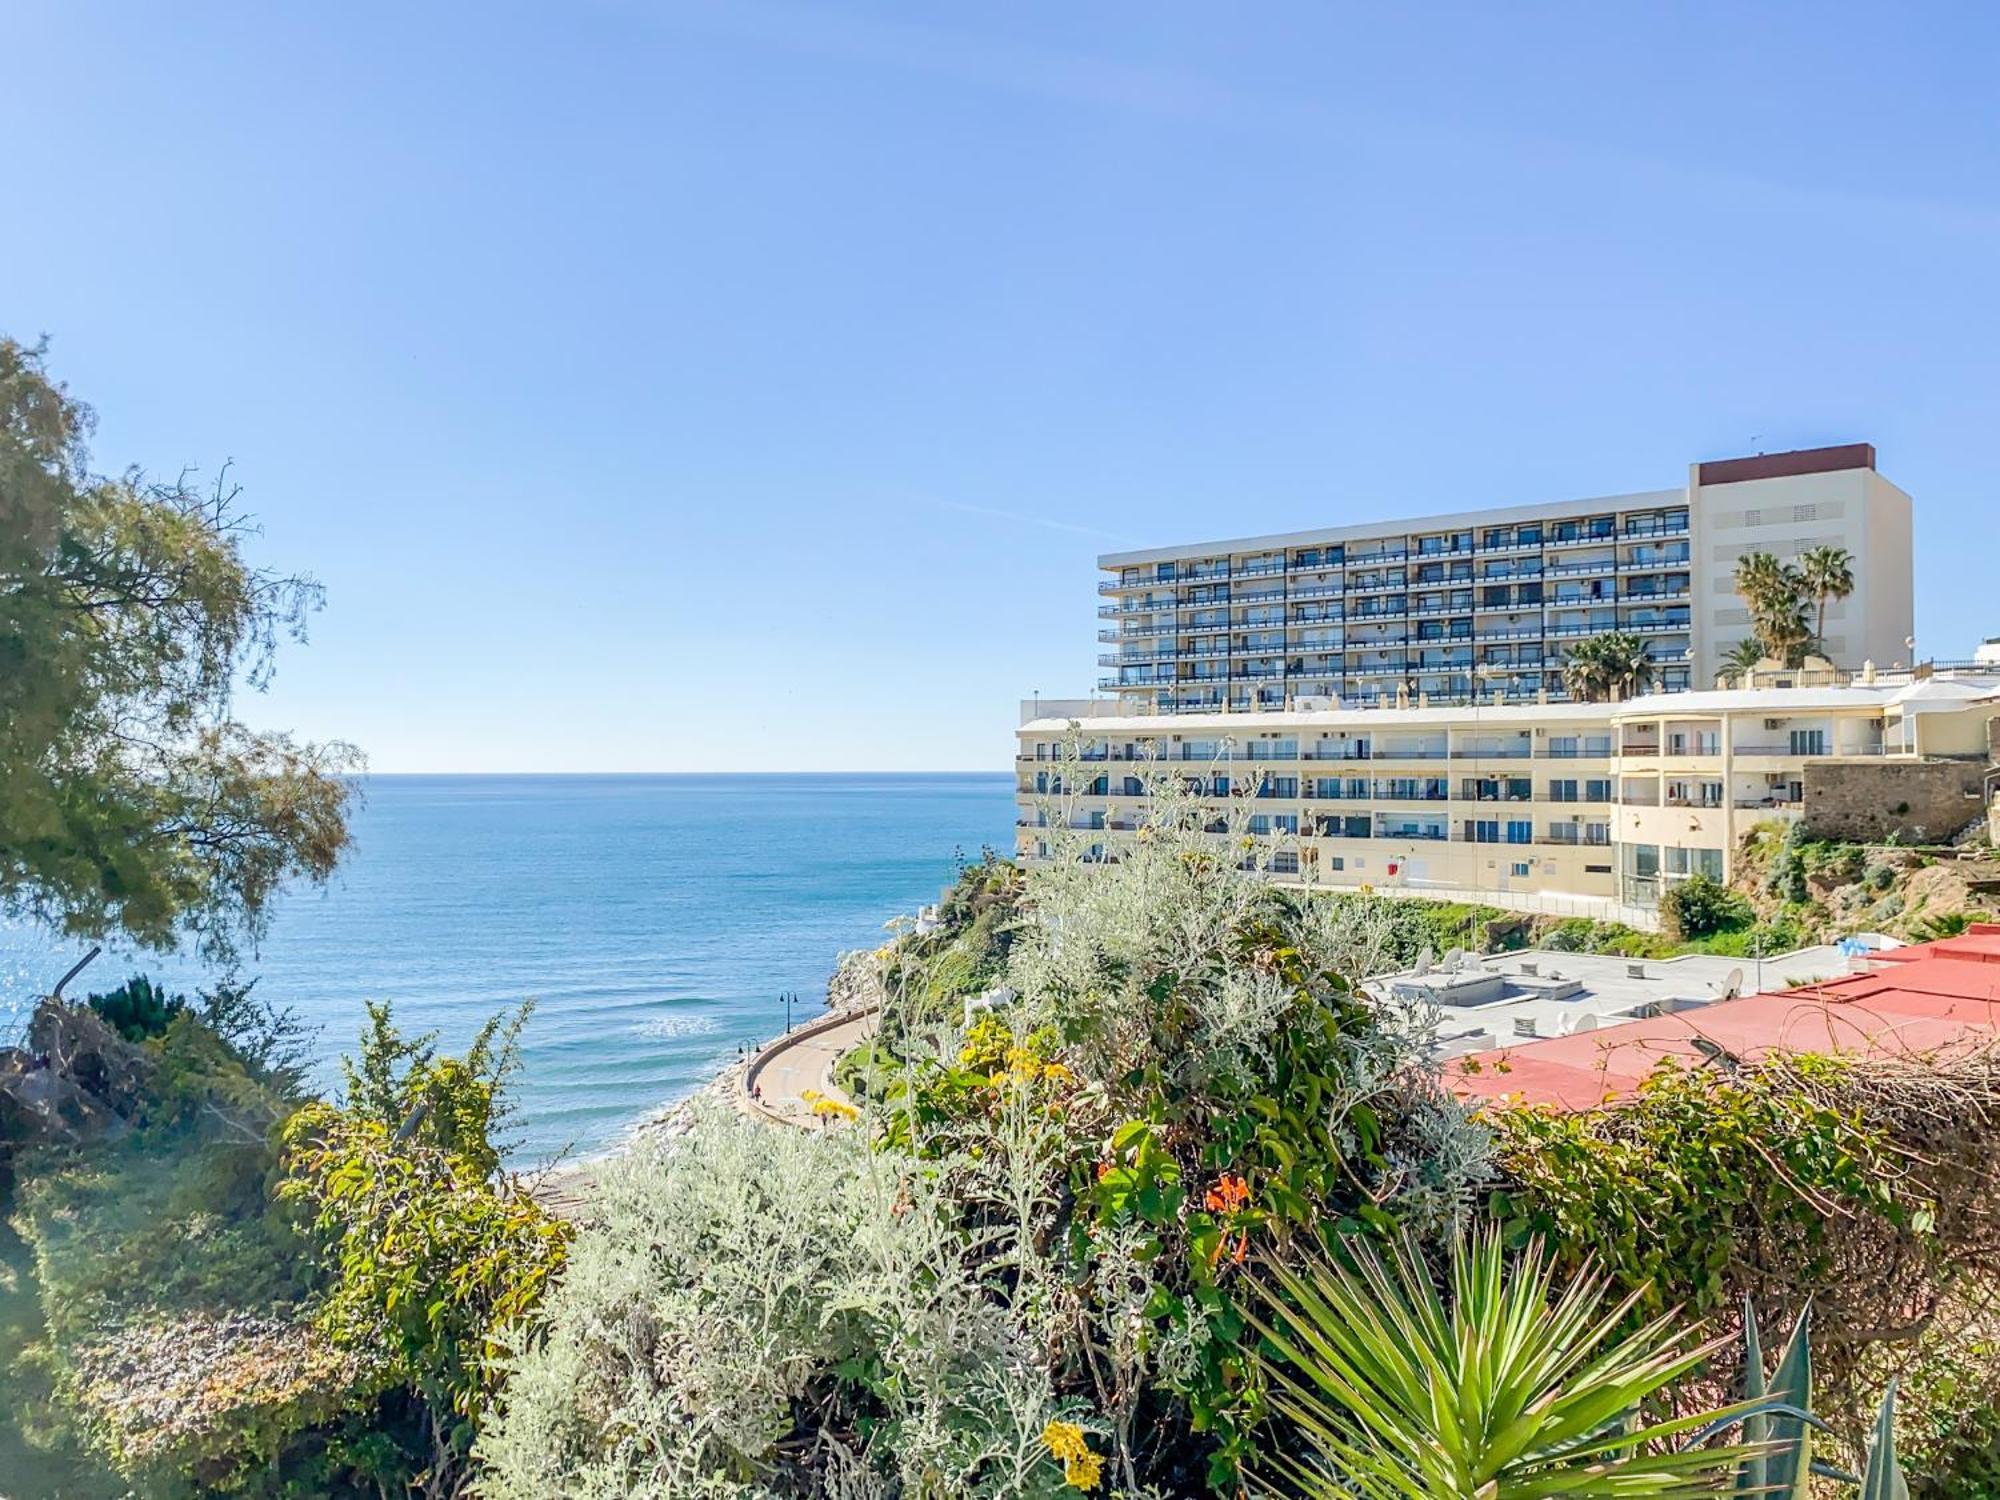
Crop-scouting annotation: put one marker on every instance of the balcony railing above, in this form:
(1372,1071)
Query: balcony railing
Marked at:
(1593,539)
(1654,528)
(1579,570)
(1318,591)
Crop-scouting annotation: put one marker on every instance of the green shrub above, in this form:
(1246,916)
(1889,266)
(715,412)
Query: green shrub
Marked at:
(1862,1185)
(1700,907)
(138,1008)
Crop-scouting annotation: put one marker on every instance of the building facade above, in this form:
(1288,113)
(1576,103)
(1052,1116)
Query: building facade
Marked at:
(1511,803)
(1479,602)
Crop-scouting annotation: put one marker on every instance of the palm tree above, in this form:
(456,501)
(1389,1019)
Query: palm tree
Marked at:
(1615,662)
(1510,1389)
(1774,593)
(1741,658)
(1627,667)
(1825,573)
(1583,672)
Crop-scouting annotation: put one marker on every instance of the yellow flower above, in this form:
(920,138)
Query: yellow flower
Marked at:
(827,1107)
(1057,1073)
(1082,1469)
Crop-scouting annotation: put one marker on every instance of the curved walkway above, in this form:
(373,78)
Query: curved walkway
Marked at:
(780,1074)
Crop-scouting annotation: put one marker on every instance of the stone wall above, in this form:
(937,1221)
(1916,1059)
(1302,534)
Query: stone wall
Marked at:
(1909,801)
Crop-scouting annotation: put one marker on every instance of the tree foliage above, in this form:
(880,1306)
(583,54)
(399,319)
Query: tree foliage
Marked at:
(1787,600)
(1701,906)
(131,799)
(1615,663)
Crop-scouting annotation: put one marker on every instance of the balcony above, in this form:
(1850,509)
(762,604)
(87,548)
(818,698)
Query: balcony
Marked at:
(1382,555)
(1516,545)
(1654,528)
(1378,586)
(1594,628)
(1580,570)
(1390,612)
(1258,569)
(1335,589)
(1589,539)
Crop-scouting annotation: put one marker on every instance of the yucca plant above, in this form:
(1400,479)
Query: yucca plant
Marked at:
(1507,1388)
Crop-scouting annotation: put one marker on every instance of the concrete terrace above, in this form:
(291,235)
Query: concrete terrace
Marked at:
(1497,1000)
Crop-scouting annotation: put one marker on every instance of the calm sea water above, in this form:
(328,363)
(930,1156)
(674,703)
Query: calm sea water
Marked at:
(654,919)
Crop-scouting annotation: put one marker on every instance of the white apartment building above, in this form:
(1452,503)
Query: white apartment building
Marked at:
(1522,805)
(1489,600)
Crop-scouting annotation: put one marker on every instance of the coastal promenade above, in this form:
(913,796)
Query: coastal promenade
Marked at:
(773,1087)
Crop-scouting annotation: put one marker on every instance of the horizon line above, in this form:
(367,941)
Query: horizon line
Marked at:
(801,771)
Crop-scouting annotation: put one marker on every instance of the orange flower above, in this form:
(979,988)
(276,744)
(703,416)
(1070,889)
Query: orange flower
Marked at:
(1228,1195)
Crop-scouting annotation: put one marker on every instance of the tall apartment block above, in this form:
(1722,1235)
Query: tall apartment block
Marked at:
(1485,602)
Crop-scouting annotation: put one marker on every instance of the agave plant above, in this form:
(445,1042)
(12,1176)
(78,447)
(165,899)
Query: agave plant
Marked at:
(1782,1464)
(1780,1429)
(1510,1388)
(1883,1479)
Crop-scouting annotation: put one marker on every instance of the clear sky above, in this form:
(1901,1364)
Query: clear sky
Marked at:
(751,385)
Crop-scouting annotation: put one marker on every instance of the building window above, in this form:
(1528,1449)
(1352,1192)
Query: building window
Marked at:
(1805,512)
(1336,862)
(1520,831)
(1597,869)
(1518,871)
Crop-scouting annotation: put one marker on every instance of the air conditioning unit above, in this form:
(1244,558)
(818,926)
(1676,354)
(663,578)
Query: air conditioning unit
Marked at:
(1774,723)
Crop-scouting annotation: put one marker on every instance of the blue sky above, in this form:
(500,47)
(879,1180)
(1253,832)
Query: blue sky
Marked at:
(751,385)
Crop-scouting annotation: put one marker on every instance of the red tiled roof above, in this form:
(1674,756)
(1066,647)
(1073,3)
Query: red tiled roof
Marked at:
(1925,997)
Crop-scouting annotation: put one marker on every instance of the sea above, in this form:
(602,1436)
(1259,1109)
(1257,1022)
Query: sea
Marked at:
(656,921)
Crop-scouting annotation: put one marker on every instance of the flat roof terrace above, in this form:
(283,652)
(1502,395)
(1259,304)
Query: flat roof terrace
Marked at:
(1914,1000)
(1497,1002)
